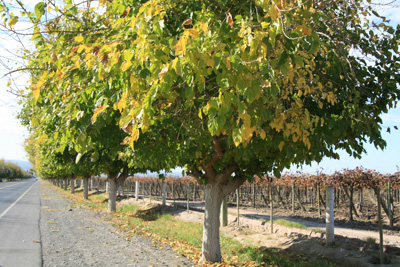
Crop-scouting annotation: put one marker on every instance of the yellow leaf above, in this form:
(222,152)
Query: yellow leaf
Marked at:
(274,13)
(228,63)
(210,62)
(122,103)
(192,32)
(281,144)
(204,27)
(97,111)
(180,47)
(230,19)
(263,135)
(126,65)
(79,38)
(13,21)
(36,93)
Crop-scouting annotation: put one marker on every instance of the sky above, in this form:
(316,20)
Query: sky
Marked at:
(12,133)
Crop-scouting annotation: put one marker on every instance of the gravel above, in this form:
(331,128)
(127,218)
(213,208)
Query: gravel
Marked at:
(72,236)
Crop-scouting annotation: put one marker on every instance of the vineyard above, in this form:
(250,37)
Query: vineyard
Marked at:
(298,194)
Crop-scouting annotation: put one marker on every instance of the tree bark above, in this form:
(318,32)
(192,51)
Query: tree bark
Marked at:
(72,188)
(112,194)
(86,187)
(211,250)
(65,183)
(114,182)
(330,228)
(214,193)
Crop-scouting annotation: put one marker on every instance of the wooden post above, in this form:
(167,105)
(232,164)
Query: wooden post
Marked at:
(188,197)
(293,199)
(143,192)
(173,191)
(390,204)
(351,204)
(271,211)
(381,255)
(150,191)
(224,212)
(137,190)
(319,201)
(254,194)
(164,200)
(237,205)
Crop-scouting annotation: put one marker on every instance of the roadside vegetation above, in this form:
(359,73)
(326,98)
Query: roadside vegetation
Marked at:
(161,226)
(9,170)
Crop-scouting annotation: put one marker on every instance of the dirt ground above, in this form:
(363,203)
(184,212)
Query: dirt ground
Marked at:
(356,243)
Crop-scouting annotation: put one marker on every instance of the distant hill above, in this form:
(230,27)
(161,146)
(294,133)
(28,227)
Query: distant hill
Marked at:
(23,164)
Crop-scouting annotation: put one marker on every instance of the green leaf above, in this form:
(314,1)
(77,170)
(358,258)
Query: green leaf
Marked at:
(13,21)
(212,126)
(39,10)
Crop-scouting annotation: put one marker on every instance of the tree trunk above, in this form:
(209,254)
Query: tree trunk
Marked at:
(211,250)
(86,187)
(72,188)
(65,183)
(112,194)
(114,182)
(330,228)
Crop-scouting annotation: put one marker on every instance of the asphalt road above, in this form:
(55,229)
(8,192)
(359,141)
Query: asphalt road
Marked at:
(19,224)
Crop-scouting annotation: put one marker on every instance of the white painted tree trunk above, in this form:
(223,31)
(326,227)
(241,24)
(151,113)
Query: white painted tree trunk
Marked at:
(211,250)
(107,186)
(91,184)
(86,187)
(112,195)
(330,227)
(164,193)
(137,190)
(224,212)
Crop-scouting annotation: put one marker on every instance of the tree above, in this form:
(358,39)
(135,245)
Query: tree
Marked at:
(236,88)
(256,87)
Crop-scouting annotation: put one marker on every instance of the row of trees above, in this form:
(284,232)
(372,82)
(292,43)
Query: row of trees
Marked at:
(226,89)
(11,170)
